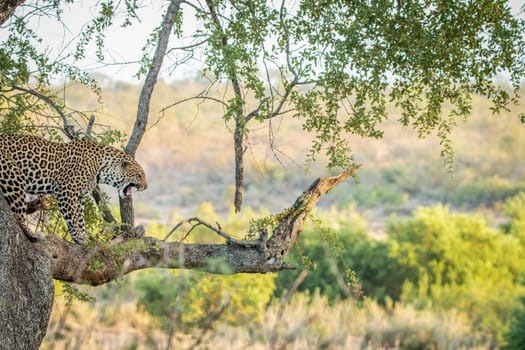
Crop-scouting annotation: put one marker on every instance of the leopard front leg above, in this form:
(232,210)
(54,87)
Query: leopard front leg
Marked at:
(72,209)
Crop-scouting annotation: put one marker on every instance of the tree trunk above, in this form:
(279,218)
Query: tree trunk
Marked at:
(26,287)
(7,7)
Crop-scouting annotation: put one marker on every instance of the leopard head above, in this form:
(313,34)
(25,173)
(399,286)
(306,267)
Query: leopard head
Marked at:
(132,177)
(123,173)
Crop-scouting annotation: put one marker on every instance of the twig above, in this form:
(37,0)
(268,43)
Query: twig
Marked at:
(195,221)
(175,228)
(69,130)
(198,97)
(295,285)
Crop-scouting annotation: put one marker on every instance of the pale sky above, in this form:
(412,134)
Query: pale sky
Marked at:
(123,44)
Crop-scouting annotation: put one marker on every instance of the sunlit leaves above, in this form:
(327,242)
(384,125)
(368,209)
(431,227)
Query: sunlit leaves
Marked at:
(425,56)
(185,300)
(346,61)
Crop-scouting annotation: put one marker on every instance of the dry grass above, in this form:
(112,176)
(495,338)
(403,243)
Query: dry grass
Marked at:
(303,323)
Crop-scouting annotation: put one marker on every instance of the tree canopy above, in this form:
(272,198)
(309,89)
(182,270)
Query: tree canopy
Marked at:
(335,65)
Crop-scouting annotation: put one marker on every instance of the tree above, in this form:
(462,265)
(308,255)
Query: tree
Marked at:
(334,65)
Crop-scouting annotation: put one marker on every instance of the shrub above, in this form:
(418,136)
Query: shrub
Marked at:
(459,262)
(485,191)
(184,300)
(341,245)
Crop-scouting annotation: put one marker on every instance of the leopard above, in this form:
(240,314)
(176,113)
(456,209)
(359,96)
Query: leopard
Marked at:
(68,171)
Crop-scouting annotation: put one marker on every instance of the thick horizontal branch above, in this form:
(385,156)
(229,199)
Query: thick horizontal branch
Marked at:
(105,263)
(102,263)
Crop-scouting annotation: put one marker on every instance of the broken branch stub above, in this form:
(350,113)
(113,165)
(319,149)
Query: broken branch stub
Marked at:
(290,226)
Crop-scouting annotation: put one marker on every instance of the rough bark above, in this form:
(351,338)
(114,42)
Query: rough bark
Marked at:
(7,8)
(27,269)
(26,287)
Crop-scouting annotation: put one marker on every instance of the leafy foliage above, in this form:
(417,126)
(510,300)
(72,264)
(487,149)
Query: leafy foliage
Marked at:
(27,101)
(486,191)
(436,259)
(339,63)
(514,208)
(378,275)
(458,261)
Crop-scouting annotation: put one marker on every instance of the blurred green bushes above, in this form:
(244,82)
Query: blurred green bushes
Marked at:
(485,192)
(435,260)
(515,336)
(436,279)
(184,300)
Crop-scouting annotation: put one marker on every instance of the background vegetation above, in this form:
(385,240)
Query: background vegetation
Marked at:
(437,255)
(413,255)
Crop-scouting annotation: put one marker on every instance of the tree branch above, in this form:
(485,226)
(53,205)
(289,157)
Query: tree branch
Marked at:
(105,262)
(239,133)
(126,204)
(151,78)
(196,222)
(68,129)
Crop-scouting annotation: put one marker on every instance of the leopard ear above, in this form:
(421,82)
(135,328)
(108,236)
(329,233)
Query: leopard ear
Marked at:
(125,164)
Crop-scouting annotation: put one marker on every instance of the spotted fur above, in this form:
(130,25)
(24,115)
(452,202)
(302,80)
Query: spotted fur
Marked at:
(69,171)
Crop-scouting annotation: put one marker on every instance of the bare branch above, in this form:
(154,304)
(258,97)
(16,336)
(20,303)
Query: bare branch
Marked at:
(141,121)
(68,130)
(214,316)
(196,222)
(198,97)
